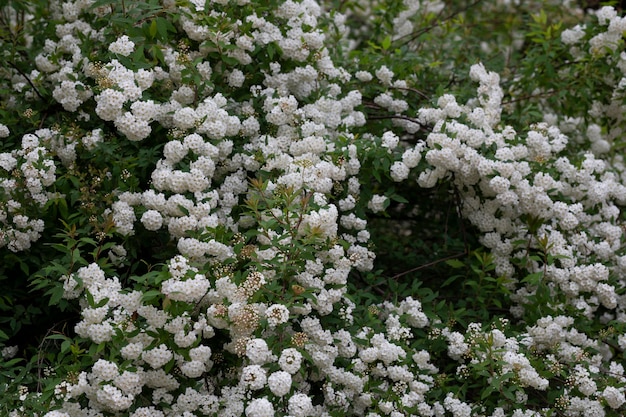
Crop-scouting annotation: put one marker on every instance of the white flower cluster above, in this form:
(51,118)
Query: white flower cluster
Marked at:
(279,174)
(124,85)
(500,194)
(116,310)
(195,185)
(122,46)
(25,176)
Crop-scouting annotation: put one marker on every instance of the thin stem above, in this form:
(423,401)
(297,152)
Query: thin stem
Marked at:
(412,36)
(27,79)
(438,261)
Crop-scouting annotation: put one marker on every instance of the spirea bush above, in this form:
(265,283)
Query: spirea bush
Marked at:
(312,208)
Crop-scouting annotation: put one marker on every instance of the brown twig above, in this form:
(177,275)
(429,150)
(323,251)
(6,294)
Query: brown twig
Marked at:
(27,79)
(433,263)
(412,36)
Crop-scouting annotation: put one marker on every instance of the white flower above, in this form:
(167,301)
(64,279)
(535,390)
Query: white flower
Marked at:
(132,127)
(572,36)
(260,407)
(147,412)
(399,171)
(300,405)
(129,382)
(158,356)
(257,351)
(152,220)
(390,140)
(7,161)
(412,157)
(377,203)
(110,104)
(324,221)
(105,370)
(132,351)
(174,151)
(185,118)
(201,353)
(100,332)
(279,383)
(189,290)
(385,75)
(253,377)
(236,78)
(614,397)
(122,46)
(9,352)
(290,360)
(457,347)
(499,184)
(363,76)
(56,414)
(277,314)
(192,369)
(606,14)
(199,4)
(114,398)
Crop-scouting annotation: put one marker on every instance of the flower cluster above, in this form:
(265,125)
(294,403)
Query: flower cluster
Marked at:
(247,154)
(29,173)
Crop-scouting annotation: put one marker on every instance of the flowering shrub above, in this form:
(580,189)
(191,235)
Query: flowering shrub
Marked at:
(303,208)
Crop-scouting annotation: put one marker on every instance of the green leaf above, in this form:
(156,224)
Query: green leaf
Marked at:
(386,43)
(183,209)
(90,300)
(56,294)
(102,302)
(533,279)
(153,29)
(398,198)
(455,263)
(450,280)
(62,207)
(163,27)
(56,337)
(157,54)
(229,60)
(12,362)
(486,393)
(150,295)
(373,45)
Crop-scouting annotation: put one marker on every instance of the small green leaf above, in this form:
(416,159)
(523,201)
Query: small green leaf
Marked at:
(56,337)
(455,263)
(65,346)
(373,45)
(534,278)
(62,207)
(450,280)
(386,43)
(398,198)
(90,300)
(153,29)
(12,362)
(486,393)
(150,295)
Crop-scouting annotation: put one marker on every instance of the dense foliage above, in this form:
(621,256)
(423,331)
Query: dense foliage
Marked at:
(312,208)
